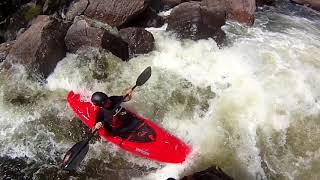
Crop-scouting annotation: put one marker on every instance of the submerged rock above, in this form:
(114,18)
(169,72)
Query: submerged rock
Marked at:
(41,46)
(196,20)
(212,173)
(315,4)
(139,40)
(115,12)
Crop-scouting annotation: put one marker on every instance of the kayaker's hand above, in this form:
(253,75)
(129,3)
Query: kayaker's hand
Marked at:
(128,95)
(97,126)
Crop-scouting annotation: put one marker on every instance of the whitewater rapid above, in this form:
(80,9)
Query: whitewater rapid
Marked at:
(251,107)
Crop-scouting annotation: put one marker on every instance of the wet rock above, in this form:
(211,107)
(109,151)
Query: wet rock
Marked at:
(4,50)
(212,173)
(241,11)
(315,4)
(41,46)
(149,18)
(76,8)
(195,20)
(115,12)
(15,168)
(86,32)
(265,2)
(83,33)
(139,40)
(116,45)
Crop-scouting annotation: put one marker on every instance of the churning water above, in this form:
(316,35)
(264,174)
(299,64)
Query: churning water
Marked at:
(251,107)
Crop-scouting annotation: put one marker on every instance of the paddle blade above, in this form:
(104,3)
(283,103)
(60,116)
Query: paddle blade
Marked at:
(75,155)
(144,76)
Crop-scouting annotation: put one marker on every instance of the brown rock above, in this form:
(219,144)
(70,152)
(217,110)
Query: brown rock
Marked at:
(41,46)
(4,50)
(196,21)
(76,8)
(86,32)
(315,4)
(241,10)
(115,12)
(83,33)
(139,40)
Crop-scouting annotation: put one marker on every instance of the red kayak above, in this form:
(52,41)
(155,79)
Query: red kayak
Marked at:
(145,139)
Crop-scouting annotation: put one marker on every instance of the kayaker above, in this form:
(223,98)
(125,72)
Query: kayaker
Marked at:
(104,118)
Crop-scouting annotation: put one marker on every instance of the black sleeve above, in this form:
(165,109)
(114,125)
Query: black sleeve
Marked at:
(105,117)
(115,100)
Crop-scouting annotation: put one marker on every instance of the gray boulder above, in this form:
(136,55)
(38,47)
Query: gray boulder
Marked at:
(195,20)
(41,46)
(139,40)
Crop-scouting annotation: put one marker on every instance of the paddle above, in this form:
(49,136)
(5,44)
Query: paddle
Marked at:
(76,154)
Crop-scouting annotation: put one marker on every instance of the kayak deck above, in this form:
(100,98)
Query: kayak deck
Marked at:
(157,144)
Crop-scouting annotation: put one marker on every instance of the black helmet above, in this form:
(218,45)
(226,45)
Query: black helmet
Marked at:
(99,98)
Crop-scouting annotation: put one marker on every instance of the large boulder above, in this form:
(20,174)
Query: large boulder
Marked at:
(115,12)
(86,32)
(83,33)
(315,4)
(4,50)
(195,20)
(41,46)
(76,8)
(242,11)
(139,40)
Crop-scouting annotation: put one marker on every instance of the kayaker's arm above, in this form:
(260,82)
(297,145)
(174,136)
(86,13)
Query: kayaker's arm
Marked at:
(127,95)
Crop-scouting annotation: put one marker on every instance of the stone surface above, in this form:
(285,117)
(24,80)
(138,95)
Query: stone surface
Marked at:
(76,8)
(115,12)
(195,20)
(139,40)
(41,46)
(83,33)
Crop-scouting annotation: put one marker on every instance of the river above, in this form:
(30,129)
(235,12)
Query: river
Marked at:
(251,107)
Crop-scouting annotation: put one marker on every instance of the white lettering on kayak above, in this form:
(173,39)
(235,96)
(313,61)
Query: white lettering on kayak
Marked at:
(142,151)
